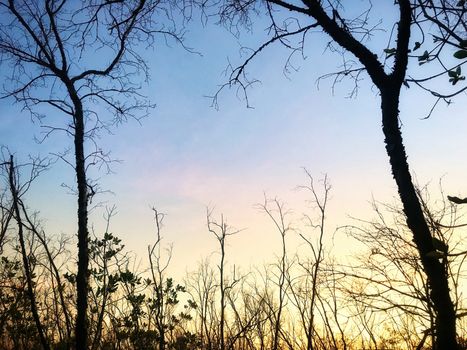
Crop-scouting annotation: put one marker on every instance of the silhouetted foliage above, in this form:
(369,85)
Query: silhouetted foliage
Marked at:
(403,290)
(443,20)
(50,47)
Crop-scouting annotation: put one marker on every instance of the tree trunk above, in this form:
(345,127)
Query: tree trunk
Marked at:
(82,278)
(56,273)
(445,330)
(27,270)
(221,269)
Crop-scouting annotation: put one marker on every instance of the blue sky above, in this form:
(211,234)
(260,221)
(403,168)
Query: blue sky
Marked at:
(187,155)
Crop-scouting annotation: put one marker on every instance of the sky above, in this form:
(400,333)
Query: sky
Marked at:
(187,156)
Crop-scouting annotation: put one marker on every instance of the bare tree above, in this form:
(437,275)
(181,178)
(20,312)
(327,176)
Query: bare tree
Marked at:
(15,189)
(201,285)
(392,275)
(165,293)
(221,230)
(158,268)
(47,303)
(50,48)
(6,212)
(446,23)
(304,291)
(278,214)
(61,305)
(318,251)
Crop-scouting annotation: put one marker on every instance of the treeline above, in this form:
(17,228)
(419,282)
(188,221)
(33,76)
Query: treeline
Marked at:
(311,299)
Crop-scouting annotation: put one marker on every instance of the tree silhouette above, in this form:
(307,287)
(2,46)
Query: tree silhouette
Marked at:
(15,195)
(73,57)
(221,230)
(444,21)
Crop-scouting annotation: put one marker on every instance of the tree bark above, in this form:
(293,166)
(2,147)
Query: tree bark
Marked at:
(445,330)
(82,278)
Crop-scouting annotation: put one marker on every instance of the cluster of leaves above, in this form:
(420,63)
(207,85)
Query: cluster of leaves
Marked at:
(16,320)
(122,304)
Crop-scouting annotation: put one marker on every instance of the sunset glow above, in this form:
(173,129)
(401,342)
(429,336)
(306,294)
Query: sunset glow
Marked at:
(205,154)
